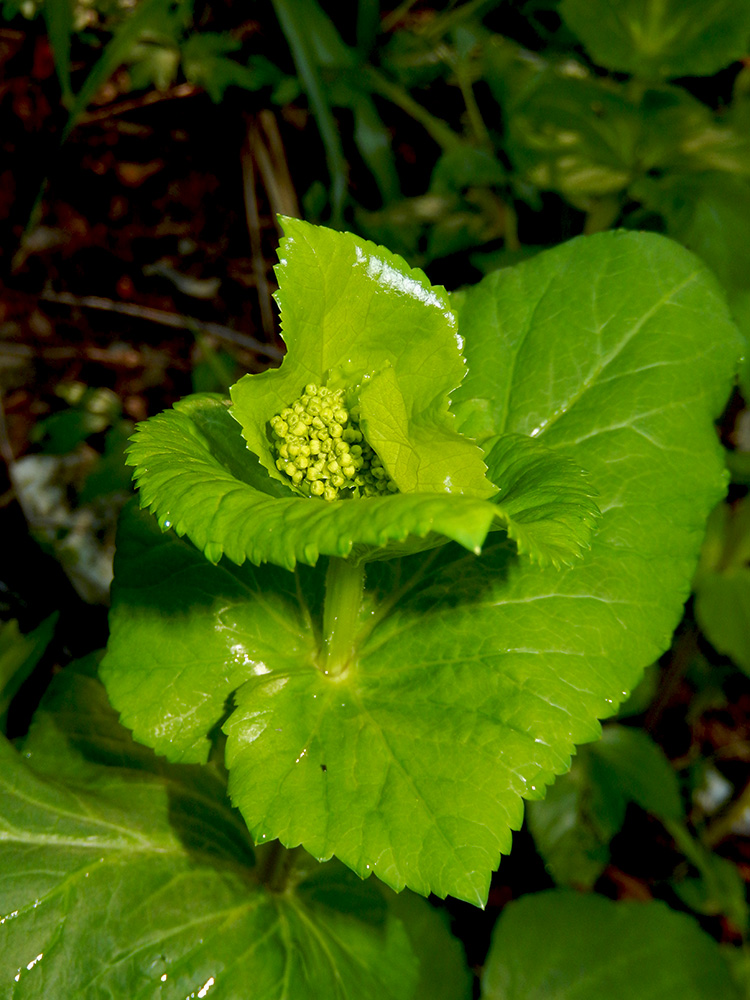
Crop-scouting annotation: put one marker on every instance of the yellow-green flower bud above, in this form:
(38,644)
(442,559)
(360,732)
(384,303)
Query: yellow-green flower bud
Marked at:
(322,450)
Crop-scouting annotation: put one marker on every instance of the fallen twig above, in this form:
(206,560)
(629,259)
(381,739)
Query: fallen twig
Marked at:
(175,320)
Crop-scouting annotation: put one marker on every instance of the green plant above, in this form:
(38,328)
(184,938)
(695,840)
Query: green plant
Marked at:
(385,677)
(337,689)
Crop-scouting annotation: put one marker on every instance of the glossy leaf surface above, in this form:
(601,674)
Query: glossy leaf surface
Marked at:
(470,678)
(123,876)
(346,305)
(196,474)
(354,314)
(590,949)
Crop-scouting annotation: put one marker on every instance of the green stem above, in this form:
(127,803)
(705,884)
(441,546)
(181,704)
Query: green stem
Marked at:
(602,214)
(291,15)
(391,20)
(343,603)
(512,241)
(443,135)
(276,865)
(476,122)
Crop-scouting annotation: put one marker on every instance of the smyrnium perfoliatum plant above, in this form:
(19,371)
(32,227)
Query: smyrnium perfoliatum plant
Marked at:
(408,570)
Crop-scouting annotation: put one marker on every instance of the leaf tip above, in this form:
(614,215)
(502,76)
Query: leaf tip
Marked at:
(213,551)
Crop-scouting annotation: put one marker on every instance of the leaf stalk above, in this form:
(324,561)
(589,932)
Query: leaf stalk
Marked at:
(345,581)
(276,865)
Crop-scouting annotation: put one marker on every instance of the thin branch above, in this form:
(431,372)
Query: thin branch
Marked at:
(180,91)
(175,320)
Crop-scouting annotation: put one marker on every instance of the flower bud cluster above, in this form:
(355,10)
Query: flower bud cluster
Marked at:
(323,451)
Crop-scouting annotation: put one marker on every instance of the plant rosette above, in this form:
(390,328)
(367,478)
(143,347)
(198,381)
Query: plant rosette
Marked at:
(410,569)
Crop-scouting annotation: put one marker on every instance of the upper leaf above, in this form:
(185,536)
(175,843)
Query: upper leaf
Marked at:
(195,473)
(358,322)
(351,310)
(547,503)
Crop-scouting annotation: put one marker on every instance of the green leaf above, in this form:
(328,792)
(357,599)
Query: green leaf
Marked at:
(557,144)
(421,456)
(194,472)
(596,948)
(58,15)
(372,138)
(117,51)
(710,214)
(545,501)
(443,971)
(307,30)
(722,608)
(585,808)
(465,166)
(719,888)
(722,583)
(19,654)
(573,825)
(637,767)
(470,679)
(133,878)
(591,138)
(684,135)
(205,62)
(661,38)
(184,636)
(349,311)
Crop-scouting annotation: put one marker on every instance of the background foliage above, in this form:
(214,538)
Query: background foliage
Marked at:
(148,147)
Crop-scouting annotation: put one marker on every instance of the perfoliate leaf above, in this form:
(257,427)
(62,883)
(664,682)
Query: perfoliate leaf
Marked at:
(128,877)
(361,324)
(589,941)
(421,455)
(198,478)
(467,680)
(349,310)
(194,472)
